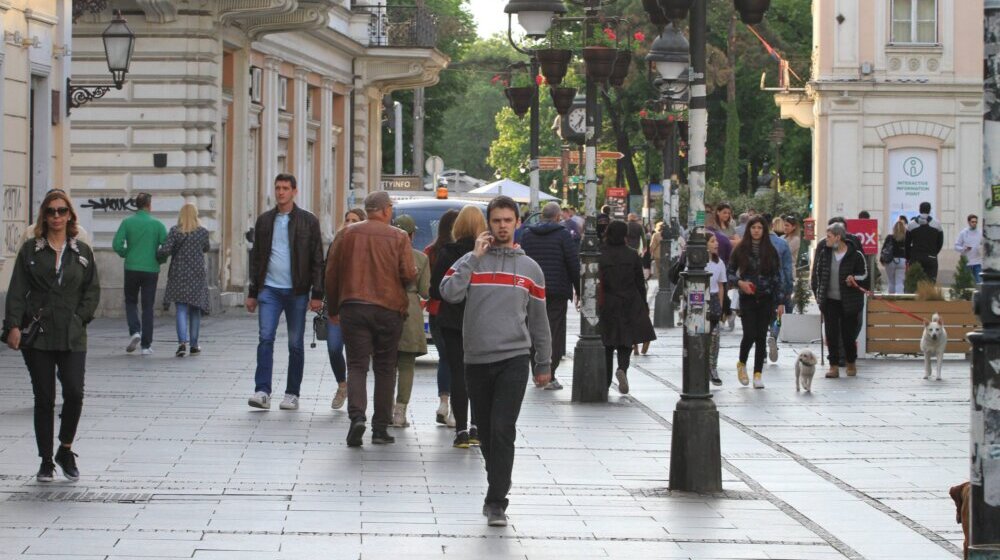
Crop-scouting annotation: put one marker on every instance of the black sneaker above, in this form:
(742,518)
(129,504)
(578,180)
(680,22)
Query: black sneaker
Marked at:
(461,440)
(355,432)
(66,460)
(495,517)
(473,435)
(713,376)
(195,350)
(380,436)
(47,472)
(181,351)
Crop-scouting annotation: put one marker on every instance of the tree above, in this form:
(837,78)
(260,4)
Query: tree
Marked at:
(965,282)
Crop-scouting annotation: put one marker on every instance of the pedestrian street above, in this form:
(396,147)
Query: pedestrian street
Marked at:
(175,465)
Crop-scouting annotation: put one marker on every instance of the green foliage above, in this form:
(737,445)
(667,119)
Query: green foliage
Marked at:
(793,199)
(965,282)
(731,165)
(456,33)
(914,276)
(802,293)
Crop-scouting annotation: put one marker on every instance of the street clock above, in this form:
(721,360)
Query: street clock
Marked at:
(573,127)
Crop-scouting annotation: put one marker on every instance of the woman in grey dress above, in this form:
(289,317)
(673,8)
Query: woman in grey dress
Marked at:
(187,280)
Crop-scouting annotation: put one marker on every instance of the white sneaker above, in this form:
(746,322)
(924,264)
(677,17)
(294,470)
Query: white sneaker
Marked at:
(133,343)
(441,416)
(622,381)
(450,421)
(147,351)
(772,349)
(260,399)
(290,402)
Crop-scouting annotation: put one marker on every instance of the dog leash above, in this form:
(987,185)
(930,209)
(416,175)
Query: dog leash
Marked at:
(895,307)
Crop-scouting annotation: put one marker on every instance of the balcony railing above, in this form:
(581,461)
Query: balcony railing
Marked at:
(399,26)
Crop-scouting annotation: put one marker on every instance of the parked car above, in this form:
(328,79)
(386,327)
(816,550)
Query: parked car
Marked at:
(427,214)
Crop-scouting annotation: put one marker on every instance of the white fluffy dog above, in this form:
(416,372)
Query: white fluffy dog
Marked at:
(805,368)
(933,344)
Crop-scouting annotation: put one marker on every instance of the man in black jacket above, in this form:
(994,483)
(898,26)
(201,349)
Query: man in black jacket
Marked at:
(552,246)
(286,276)
(924,239)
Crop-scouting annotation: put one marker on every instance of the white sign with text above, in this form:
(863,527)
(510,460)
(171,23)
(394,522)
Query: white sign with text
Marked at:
(913,178)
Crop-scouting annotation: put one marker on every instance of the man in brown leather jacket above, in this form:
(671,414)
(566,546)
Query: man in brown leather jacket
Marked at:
(369,267)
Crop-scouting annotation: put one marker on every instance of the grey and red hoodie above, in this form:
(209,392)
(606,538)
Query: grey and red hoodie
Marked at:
(504,294)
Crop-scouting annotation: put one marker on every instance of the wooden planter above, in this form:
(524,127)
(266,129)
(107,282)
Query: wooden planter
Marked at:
(891,332)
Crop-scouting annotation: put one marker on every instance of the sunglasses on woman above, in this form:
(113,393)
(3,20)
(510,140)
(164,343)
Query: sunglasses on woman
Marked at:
(57,211)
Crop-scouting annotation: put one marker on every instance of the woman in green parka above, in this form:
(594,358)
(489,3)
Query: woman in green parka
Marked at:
(55,283)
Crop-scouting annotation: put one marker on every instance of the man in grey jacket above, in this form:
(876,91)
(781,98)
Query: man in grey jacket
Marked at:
(504,294)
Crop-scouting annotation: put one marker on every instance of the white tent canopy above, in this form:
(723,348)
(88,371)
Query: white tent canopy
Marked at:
(513,189)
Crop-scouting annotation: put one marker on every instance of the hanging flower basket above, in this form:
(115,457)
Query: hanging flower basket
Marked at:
(649,130)
(554,64)
(562,98)
(600,62)
(620,71)
(520,99)
(664,129)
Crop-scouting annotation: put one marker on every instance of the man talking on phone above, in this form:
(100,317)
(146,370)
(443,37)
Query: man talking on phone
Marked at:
(504,294)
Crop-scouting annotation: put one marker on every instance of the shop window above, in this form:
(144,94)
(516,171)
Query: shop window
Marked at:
(914,22)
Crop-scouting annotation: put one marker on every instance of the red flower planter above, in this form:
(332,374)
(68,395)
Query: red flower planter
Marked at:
(600,62)
(554,64)
(562,98)
(623,61)
(520,99)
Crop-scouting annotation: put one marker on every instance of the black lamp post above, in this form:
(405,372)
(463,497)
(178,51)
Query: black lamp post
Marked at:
(671,57)
(119,43)
(589,375)
(695,452)
(984,531)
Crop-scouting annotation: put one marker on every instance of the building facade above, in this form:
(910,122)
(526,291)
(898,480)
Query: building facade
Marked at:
(221,96)
(34,136)
(895,105)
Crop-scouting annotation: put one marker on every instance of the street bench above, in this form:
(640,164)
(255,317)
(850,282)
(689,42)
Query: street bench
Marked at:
(891,332)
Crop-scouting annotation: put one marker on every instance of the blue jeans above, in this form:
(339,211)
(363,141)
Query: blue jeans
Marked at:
(977,270)
(188,316)
(444,372)
(271,302)
(335,347)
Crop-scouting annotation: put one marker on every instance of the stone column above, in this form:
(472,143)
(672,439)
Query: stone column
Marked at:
(269,130)
(327,180)
(299,141)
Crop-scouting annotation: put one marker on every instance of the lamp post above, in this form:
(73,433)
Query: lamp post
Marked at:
(984,531)
(589,375)
(695,451)
(670,55)
(119,42)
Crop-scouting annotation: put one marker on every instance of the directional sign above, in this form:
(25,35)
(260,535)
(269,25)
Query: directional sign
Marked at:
(549,163)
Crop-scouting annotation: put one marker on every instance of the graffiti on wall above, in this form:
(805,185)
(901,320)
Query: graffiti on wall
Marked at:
(13,210)
(118,204)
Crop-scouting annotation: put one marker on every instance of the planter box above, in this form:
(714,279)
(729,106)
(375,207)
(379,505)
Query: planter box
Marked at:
(803,328)
(891,332)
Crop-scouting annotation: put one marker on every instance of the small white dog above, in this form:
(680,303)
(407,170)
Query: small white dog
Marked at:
(932,344)
(805,369)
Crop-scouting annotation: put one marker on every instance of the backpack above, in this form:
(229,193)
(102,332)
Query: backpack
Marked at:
(885,256)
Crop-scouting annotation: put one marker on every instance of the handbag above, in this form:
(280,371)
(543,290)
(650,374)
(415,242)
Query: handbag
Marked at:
(319,325)
(885,256)
(31,331)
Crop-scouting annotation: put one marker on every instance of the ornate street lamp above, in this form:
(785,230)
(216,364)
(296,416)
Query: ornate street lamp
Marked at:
(752,11)
(535,16)
(670,55)
(119,43)
(675,9)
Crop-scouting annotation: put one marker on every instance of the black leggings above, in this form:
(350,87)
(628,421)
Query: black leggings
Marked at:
(624,356)
(453,347)
(755,314)
(45,366)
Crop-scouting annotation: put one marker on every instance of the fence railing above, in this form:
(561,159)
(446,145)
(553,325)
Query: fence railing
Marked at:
(399,26)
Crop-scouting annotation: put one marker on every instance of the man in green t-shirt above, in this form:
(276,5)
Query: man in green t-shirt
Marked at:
(137,239)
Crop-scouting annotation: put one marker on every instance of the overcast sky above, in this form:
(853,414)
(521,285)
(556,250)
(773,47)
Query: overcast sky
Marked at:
(489,16)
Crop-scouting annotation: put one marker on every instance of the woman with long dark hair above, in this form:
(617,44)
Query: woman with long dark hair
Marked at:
(53,294)
(334,336)
(469,224)
(443,415)
(754,268)
(622,305)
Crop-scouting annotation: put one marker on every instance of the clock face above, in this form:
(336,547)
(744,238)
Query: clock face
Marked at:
(578,120)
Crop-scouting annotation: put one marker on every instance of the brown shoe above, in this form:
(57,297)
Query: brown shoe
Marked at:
(852,369)
(833,373)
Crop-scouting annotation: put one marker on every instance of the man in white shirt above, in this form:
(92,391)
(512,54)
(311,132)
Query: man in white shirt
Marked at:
(968,244)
